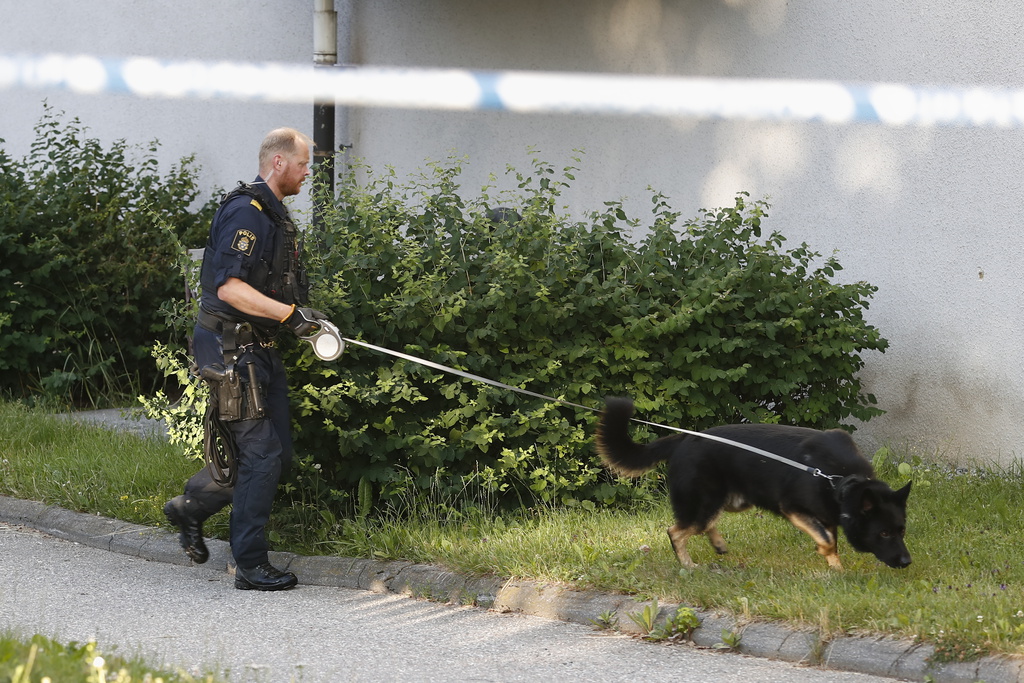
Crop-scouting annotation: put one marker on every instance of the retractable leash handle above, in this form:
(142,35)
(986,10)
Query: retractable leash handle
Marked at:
(327,341)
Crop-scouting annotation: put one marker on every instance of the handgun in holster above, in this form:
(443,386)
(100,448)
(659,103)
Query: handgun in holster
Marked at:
(233,402)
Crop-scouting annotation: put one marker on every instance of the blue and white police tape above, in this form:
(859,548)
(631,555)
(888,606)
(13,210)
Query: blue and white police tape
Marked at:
(523,91)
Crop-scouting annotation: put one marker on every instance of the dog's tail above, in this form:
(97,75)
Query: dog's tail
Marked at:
(618,451)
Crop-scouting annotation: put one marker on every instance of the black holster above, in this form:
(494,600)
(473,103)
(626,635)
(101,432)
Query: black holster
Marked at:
(234,398)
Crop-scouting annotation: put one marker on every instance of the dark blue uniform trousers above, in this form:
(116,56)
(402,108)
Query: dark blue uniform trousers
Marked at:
(264,452)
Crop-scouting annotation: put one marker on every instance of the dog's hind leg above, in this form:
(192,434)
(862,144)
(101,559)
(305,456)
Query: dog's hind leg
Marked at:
(824,537)
(716,540)
(679,537)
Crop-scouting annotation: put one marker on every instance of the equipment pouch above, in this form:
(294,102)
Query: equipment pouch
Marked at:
(225,391)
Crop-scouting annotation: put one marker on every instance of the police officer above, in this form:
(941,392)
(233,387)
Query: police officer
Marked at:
(252,285)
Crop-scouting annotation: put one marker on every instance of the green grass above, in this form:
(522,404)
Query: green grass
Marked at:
(36,659)
(88,468)
(964,592)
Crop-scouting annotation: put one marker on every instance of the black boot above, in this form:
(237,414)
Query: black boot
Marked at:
(263,578)
(190,530)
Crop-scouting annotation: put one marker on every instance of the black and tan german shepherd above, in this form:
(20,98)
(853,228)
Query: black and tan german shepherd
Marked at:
(708,477)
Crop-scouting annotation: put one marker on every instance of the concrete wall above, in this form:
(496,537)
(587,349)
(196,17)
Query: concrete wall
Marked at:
(928,215)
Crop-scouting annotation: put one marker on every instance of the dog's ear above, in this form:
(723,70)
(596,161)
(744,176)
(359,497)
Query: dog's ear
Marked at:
(900,497)
(850,489)
(855,495)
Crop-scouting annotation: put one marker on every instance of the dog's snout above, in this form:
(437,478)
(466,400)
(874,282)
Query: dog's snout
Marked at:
(901,563)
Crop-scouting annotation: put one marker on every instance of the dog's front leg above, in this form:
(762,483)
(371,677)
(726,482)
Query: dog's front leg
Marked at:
(824,537)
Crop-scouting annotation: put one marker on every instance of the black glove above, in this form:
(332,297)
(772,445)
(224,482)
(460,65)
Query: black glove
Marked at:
(304,321)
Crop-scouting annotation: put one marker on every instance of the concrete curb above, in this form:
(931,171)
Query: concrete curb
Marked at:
(876,656)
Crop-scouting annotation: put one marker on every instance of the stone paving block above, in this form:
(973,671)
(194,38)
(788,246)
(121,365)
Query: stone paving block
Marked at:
(484,590)
(558,602)
(18,511)
(955,672)
(82,528)
(763,640)
(432,583)
(324,571)
(383,574)
(876,656)
(800,646)
(282,560)
(913,663)
(1000,670)
(361,571)
(709,633)
(220,555)
(150,544)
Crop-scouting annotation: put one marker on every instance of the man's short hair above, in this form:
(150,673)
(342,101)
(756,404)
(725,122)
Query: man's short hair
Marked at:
(281,141)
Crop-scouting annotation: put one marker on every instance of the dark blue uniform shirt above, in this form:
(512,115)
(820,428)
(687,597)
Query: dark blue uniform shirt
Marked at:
(241,245)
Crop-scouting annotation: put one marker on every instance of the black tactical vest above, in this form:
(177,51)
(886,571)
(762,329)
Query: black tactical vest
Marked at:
(284,278)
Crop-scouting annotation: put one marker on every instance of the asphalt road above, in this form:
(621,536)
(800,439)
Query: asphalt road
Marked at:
(193,618)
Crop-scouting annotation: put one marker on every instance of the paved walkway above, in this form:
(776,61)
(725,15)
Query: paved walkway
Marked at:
(201,589)
(191,617)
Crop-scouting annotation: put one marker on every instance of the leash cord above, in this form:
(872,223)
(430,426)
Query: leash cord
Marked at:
(476,378)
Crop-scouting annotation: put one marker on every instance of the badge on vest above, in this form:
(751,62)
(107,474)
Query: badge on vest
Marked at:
(244,242)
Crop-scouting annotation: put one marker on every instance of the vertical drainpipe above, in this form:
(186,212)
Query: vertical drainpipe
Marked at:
(325,56)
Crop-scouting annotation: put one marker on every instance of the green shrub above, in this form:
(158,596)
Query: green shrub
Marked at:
(90,239)
(701,322)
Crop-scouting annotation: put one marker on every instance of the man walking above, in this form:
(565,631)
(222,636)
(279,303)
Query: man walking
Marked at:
(252,285)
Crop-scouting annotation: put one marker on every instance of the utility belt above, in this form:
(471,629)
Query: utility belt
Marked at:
(235,391)
(235,334)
